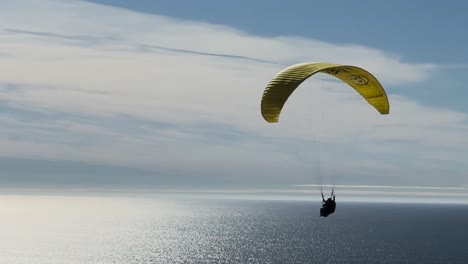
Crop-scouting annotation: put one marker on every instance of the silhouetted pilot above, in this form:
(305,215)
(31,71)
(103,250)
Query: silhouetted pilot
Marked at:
(328,206)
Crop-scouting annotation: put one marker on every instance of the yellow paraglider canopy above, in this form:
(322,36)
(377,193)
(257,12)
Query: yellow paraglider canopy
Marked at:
(283,85)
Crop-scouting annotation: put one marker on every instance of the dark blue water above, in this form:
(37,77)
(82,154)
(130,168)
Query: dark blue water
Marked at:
(293,232)
(155,230)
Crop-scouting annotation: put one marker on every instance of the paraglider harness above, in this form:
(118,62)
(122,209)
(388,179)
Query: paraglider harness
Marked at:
(328,206)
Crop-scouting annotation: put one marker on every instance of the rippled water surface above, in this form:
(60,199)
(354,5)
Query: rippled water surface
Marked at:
(56,229)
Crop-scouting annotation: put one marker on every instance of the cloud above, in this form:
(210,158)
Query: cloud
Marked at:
(81,83)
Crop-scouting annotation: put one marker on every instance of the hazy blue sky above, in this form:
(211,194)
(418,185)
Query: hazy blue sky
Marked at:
(114,92)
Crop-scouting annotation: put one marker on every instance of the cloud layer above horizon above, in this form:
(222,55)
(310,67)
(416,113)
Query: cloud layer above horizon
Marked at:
(93,83)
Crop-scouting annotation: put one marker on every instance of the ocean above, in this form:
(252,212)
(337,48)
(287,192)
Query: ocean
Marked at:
(103,229)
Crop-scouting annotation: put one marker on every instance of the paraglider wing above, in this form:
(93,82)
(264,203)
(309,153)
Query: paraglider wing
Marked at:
(283,85)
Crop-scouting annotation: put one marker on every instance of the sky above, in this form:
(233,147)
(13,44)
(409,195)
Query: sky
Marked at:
(167,93)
